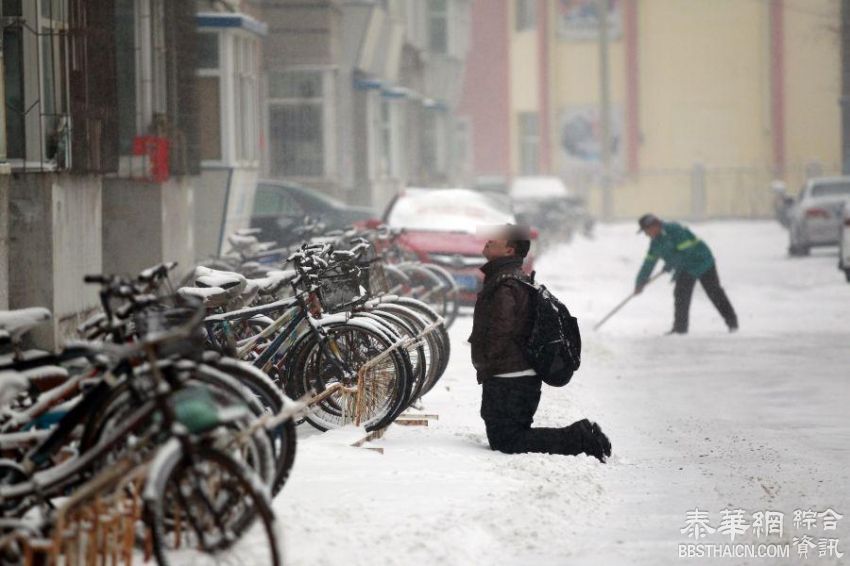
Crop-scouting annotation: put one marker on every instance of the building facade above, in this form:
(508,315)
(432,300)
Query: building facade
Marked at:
(98,149)
(709,101)
(362,95)
(230,84)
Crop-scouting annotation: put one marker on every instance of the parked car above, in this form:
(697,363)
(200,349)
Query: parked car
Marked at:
(545,202)
(281,207)
(494,186)
(442,226)
(816,217)
(844,242)
(782,202)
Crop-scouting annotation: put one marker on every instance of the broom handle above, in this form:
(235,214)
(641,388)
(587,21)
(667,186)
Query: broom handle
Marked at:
(624,301)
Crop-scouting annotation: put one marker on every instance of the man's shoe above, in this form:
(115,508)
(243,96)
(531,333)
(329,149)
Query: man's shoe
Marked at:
(602,438)
(590,440)
(733,328)
(673,332)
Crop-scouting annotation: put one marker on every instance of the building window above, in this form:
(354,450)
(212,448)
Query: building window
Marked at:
(246,97)
(35,51)
(526,15)
(209,95)
(438,26)
(298,104)
(228,71)
(529,143)
(142,60)
(390,123)
(434,151)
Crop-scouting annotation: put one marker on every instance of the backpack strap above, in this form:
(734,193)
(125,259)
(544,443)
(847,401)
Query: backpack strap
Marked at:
(492,286)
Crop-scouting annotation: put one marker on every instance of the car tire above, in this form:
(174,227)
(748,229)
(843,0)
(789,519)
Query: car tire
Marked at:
(798,250)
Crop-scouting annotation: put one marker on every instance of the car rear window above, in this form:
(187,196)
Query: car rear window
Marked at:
(831,190)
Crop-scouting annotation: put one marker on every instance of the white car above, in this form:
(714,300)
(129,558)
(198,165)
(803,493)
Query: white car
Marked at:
(546,203)
(844,243)
(816,217)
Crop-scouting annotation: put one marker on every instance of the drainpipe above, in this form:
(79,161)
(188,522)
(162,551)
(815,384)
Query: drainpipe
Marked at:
(2,109)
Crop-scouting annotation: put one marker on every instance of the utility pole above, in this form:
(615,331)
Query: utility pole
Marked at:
(845,87)
(605,110)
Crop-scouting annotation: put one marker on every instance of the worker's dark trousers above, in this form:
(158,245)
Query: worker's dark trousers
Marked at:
(684,290)
(508,405)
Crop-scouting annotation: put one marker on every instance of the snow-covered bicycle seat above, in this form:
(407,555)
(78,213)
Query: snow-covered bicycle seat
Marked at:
(212,297)
(233,283)
(274,280)
(242,243)
(12,384)
(250,293)
(19,322)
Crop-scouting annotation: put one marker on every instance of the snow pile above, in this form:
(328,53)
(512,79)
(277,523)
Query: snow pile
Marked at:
(757,420)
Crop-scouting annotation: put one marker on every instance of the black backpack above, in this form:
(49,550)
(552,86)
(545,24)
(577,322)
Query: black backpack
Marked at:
(554,345)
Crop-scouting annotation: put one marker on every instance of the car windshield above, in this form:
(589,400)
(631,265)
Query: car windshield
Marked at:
(447,210)
(834,189)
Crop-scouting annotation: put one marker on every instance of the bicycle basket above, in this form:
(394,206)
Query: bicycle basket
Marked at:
(338,291)
(175,313)
(373,278)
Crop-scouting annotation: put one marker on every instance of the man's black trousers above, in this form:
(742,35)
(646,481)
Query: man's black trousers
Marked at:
(508,405)
(684,290)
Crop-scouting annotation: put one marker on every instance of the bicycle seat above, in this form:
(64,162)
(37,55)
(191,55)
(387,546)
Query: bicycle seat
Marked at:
(233,283)
(19,322)
(250,293)
(242,243)
(212,297)
(274,280)
(12,384)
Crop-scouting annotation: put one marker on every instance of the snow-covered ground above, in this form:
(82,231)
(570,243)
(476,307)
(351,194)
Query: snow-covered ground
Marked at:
(758,420)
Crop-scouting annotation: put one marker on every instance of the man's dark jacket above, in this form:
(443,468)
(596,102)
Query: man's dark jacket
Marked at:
(502,320)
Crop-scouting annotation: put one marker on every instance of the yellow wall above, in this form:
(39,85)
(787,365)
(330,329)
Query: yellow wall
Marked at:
(812,87)
(705,97)
(525,79)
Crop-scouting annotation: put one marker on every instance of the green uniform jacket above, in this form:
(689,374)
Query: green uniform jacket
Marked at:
(680,250)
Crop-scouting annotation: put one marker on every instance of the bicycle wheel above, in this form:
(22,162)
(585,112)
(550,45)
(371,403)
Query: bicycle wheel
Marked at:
(397,282)
(258,452)
(426,286)
(430,345)
(204,507)
(416,351)
(440,332)
(451,292)
(318,365)
(283,437)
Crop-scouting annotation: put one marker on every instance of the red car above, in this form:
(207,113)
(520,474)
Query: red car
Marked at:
(441,226)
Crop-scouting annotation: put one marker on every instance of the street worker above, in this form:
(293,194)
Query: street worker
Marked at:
(690,259)
(501,326)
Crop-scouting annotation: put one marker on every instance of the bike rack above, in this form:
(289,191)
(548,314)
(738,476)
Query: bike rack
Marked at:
(96,525)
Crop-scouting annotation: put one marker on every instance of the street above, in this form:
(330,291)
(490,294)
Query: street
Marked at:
(756,421)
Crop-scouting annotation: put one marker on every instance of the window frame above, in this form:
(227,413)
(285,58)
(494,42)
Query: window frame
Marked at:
(216,73)
(528,144)
(433,15)
(390,124)
(327,104)
(35,27)
(525,15)
(238,73)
